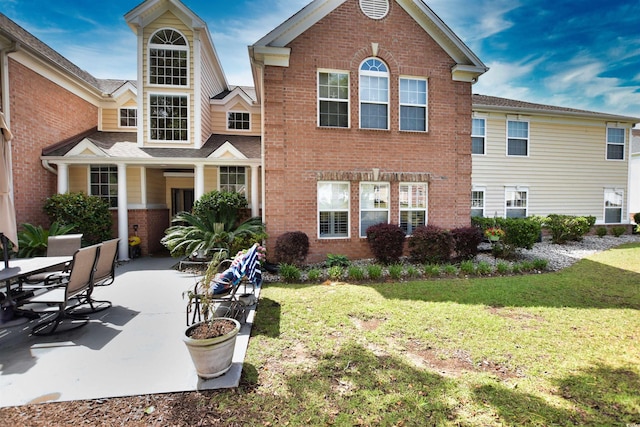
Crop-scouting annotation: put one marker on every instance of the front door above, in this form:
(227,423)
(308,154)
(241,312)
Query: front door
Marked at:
(181,200)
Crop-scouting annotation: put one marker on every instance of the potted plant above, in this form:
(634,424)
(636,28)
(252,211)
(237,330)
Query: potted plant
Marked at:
(494,234)
(211,343)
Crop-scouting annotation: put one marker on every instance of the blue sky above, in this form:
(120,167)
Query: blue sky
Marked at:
(579,54)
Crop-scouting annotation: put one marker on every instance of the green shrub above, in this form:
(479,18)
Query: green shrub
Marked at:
(601,231)
(502,267)
(289,272)
(386,242)
(450,269)
(519,232)
(395,271)
(565,228)
(355,272)
(466,241)
(225,206)
(618,230)
(291,248)
(484,268)
(88,215)
(468,267)
(430,244)
(636,217)
(432,270)
(540,264)
(336,272)
(516,267)
(314,274)
(341,260)
(374,271)
(412,271)
(526,265)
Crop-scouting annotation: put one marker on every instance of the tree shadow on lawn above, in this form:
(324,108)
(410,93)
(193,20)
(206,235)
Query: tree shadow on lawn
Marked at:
(587,284)
(601,395)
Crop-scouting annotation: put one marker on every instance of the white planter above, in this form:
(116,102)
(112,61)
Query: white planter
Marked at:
(212,357)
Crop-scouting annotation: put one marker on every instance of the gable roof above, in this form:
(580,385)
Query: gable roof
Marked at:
(494,103)
(272,50)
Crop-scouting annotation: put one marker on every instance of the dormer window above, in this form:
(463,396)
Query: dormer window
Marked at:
(168,58)
(238,121)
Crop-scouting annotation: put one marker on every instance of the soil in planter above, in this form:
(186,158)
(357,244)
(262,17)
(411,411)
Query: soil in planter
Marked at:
(212,329)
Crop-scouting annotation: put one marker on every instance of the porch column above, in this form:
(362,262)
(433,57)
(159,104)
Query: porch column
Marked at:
(123,220)
(63,178)
(255,208)
(199,181)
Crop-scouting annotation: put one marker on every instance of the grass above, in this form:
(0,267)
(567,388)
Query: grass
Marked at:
(541,349)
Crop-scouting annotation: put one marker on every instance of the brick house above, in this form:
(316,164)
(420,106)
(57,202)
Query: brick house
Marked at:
(362,112)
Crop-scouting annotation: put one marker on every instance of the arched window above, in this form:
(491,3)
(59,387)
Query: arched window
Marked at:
(168,58)
(374,94)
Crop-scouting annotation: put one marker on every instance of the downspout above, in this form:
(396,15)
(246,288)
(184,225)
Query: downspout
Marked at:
(47,166)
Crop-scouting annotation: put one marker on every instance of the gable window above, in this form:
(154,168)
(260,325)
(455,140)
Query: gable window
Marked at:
(613,206)
(517,138)
(333,99)
(128,117)
(104,183)
(374,205)
(333,209)
(168,58)
(478,136)
(233,179)
(516,202)
(615,143)
(238,121)
(168,117)
(413,104)
(477,202)
(374,95)
(413,206)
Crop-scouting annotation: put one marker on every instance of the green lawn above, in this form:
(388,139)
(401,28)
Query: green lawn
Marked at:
(545,349)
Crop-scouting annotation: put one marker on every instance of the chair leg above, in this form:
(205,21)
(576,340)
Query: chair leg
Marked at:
(50,326)
(90,305)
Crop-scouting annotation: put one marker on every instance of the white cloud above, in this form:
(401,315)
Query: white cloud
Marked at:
(503,77)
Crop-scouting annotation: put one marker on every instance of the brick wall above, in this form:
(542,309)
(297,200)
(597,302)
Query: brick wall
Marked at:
(296,149)
(42,114)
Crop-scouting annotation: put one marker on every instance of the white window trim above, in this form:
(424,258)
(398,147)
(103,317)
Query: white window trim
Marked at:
(360,102)
(528,139)
(484,136)
(624,144)
(348,210)
(238,112)
(483,190)
(168,46)
(148,118)
(426,208)
(348,100)
(604,205)
(426,106)
(246,181)
(119,117)
(363,233)
(516,188)
(90,172)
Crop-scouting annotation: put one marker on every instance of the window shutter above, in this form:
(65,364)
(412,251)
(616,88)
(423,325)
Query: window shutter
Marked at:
(375,9)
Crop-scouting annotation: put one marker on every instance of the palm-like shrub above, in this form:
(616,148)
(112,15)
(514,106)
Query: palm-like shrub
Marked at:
(33,239)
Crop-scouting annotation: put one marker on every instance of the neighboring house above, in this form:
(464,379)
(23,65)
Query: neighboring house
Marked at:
(531,159)
(362,112)
(634,174)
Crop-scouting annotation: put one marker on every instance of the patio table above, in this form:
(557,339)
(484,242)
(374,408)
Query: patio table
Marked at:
(20,268)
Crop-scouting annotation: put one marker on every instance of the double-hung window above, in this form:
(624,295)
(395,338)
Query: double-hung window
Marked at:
(478,136)
(615,143)
(104,183)
(516,202)
(333,99)
(613,205)
(168,117)
(477,202)
(413,104)
(517,138)
(233,179)
(374,95)
(168,58)
(333,209)
(128,117)
(413,206)
(238,121)
(374,205)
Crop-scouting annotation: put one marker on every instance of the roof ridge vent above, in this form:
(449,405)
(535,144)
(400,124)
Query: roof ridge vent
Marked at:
(375,9)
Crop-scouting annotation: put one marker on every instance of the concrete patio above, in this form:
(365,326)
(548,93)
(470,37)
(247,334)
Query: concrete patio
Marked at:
(133,348)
